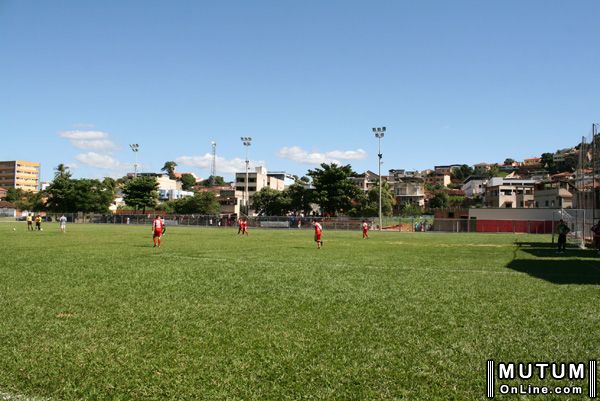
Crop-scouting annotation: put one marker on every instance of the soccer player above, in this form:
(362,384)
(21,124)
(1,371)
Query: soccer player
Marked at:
(240,226)
(157,230)
(562,229)
(63,223)
(38,222)
(29,219)
(245,227)
(318,234)
(365,229)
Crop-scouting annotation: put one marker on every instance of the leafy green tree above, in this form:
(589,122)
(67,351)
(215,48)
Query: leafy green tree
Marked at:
(410,209)
(368,206)
(141,192)
(14,194)
(334,191)
(461,173)
(60,196)
(300,198)
(509,161)
(26,200)
(205,203)
(439,201)
(83,195)
(271,202)
(188,182)
(109,183)
(169,168)
(213,180)
(91,196)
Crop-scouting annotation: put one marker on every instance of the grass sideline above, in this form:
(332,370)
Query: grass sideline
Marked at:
(98,314)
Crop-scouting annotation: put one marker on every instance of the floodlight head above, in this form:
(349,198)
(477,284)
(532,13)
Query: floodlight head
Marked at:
(383,129)
(374,129)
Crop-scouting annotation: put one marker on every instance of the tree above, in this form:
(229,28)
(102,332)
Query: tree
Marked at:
(439,201)
(14,194)
(368,206)
(90,196)
(334,191)
(83,195)
(169,168)
(60,194)
(188,182)
(461,173)
(271,202)
(300,198)
(509,161)
(141,192)
(62,171)
(201,203)
(213,180)
(410,209)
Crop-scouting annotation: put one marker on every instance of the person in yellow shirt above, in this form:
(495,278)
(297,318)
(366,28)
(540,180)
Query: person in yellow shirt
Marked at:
(29,219)
(38,222)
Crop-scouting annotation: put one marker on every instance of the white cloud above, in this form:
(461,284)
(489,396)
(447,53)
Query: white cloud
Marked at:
(300,155)
(93,140)
(99,161)
(223,165)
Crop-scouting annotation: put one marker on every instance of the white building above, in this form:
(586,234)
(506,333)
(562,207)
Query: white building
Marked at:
(474,186)
(257,180)
(509,193)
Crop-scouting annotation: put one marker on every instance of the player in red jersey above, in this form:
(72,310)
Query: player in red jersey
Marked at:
(157,229)
(318,234)
(365,229)
(243,226)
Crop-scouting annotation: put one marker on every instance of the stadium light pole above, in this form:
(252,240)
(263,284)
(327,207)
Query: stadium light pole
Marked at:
(135,148)
(246,141)
(379,133)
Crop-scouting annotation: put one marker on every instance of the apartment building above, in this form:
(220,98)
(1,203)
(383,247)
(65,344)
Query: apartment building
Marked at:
(366,180)
(408,188)
(556,194)
(438,179)
(257,180)
(20,174)
(447,169)
(509,193)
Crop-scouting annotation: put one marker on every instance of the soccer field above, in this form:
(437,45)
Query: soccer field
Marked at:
(99,314)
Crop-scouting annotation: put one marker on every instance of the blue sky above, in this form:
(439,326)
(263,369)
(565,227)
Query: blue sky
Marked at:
(453,81)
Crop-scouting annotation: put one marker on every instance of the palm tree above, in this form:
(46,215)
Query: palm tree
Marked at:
(62,171)
(169,168)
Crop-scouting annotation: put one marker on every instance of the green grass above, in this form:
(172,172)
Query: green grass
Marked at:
(98,314)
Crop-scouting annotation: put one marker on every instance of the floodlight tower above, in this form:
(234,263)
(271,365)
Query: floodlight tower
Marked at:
(246,141)
(213,166)
(135,148)
(379,133)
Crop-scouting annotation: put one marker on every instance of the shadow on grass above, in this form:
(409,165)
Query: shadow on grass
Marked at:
(575,266)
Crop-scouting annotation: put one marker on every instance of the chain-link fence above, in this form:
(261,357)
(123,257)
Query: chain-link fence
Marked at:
(579,221)
(404,224)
